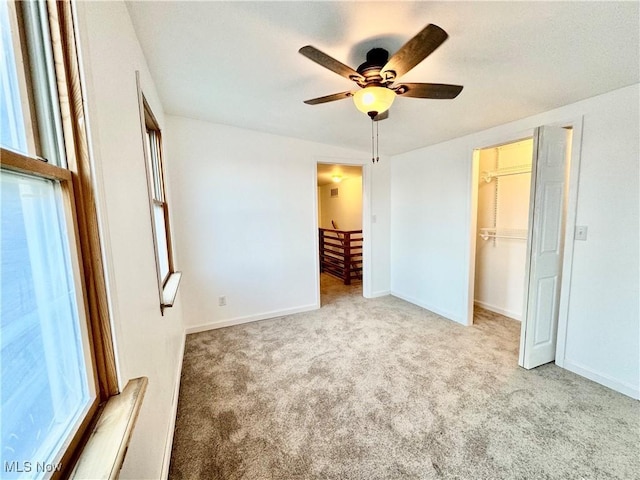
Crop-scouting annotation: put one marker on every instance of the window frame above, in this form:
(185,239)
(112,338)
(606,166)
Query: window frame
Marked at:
(24,164)
(154,168)
(72,105)
(75,179)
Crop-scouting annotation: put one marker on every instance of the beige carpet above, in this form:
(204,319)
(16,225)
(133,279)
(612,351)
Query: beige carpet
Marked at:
(381,389)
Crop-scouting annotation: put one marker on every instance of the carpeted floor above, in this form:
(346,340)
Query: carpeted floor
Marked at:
(381,389)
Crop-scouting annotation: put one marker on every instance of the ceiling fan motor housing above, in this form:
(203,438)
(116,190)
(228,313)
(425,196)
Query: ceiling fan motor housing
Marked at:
(370,70)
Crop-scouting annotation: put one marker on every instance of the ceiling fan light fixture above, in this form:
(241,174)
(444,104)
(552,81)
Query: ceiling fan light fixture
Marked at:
(374,100)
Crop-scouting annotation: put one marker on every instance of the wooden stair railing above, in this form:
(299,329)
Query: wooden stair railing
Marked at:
(341,253)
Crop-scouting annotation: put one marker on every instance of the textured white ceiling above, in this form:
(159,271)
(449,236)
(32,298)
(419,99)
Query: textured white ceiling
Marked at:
(237,63)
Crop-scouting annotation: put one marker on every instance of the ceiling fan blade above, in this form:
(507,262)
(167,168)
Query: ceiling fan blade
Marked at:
(312,53)
(381,116)
(428,90)
(329,98)
(415,50)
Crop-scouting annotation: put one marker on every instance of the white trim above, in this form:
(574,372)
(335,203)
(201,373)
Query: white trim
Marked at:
(492,308)
(250,318)
(533,189)
(431,308)
(316,240)
(632,391)
(366,217)
(170,289)
(381,293)
(473,228)
(569,225)
(168,446)
(367,230)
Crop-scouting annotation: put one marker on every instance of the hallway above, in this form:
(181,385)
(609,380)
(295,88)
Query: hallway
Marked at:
(334,291)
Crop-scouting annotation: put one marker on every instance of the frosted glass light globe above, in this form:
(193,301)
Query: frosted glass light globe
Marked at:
(374,99)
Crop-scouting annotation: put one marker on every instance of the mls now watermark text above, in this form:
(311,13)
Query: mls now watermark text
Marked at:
(27,467)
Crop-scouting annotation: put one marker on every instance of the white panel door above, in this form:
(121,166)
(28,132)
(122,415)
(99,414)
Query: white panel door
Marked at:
(545,245)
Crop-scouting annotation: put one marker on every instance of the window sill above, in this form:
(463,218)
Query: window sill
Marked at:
(103,454)
(170,289)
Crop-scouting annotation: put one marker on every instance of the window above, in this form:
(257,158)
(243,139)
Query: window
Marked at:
(160,211)
(47,375)
(15,101)
(55,350)
(168,279)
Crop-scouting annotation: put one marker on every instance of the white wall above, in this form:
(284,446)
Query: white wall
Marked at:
(346,208)
(503,203)
(245,220)
(430,222)
(378,177)
(430,190)
(147,343)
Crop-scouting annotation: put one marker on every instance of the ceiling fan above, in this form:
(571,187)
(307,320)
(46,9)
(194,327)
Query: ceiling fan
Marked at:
(378,75)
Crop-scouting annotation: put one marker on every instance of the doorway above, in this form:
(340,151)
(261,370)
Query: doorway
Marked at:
(340,223)
(541,288)
(503,189)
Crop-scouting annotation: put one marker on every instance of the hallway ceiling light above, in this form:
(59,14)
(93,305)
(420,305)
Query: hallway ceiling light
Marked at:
(336,178)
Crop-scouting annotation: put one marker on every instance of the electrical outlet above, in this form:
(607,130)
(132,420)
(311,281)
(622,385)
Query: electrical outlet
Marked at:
(581,232)
(222,301)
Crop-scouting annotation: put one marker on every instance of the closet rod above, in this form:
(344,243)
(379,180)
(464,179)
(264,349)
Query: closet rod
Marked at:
(503,172)
(487,236)
(492,232)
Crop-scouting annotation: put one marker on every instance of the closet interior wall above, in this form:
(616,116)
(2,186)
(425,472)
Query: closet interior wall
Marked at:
(503,212)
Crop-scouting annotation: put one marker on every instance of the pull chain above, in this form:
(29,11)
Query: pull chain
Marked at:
(377,143)
(373,160)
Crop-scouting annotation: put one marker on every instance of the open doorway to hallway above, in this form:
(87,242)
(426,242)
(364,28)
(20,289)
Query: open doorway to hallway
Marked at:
(340,253)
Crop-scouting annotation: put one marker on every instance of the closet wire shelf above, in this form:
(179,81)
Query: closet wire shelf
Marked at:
(515,233)
(502,172)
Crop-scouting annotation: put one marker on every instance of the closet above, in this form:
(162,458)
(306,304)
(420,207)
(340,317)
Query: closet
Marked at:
(504,182)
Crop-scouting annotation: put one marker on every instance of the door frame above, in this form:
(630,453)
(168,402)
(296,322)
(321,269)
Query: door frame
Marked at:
(475,175)
(576,125)
(366,218)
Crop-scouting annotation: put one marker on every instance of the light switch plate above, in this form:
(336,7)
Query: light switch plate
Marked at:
(581,232)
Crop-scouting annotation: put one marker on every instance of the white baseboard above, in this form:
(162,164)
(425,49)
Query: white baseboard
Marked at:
(431,308)
(250,318)
(174,413)
(501,311)
(632,391)
(381,293)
